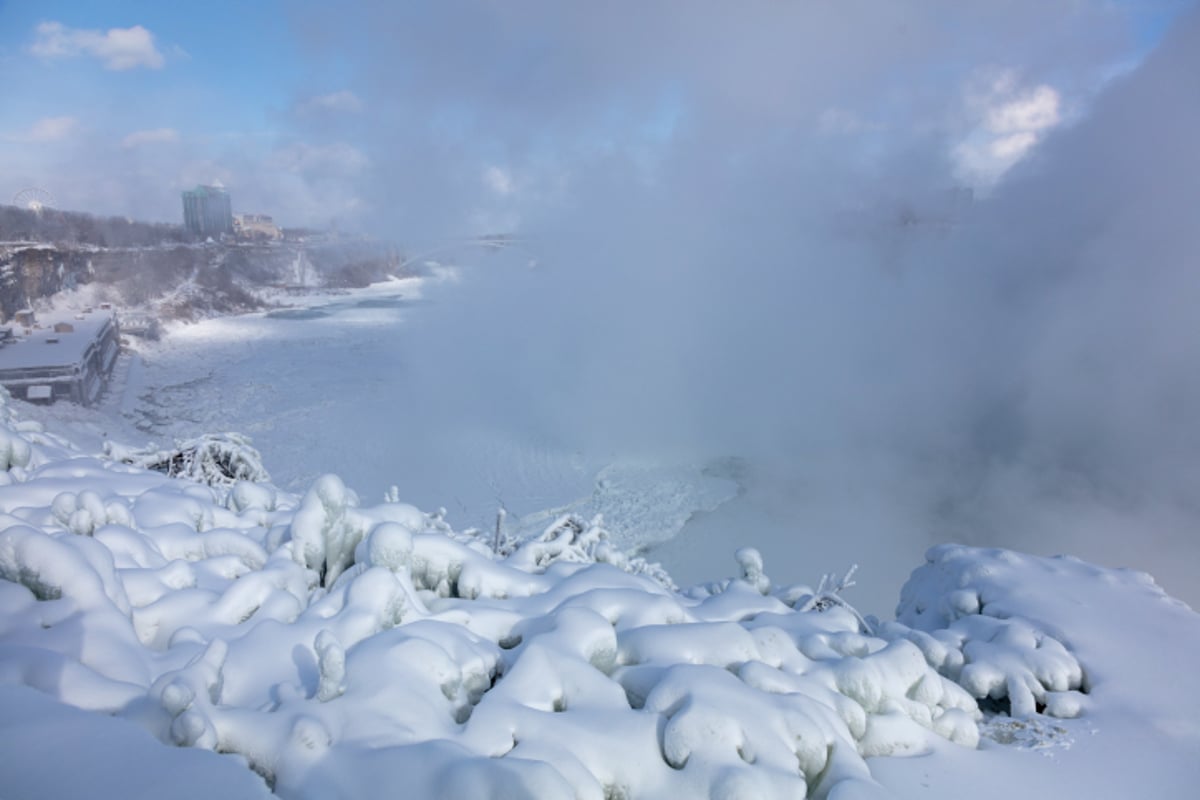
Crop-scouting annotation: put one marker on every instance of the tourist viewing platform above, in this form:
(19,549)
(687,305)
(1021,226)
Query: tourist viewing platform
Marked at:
(62,357)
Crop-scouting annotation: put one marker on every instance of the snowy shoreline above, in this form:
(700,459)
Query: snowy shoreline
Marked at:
(111,419)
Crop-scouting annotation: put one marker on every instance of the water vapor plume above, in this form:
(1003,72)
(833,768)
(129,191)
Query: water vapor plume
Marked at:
(756,238)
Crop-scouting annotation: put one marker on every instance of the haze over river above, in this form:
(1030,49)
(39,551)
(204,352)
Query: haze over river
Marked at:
(335,386)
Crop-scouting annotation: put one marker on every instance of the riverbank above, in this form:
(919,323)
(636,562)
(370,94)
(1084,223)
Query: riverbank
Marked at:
(129,393)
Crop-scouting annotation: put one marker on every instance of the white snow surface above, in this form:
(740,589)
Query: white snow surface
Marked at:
(163,637)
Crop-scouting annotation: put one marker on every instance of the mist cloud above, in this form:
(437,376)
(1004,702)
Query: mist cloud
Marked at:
(742,277)
(552,91)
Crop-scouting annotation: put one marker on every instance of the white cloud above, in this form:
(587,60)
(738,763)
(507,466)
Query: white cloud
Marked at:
(51,129)
(343,102)
(1009,121)
(1013,146)
(153,136)
(116,48)
(1035,110)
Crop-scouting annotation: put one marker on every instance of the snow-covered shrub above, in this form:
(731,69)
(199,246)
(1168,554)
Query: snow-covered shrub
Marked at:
(1007,662)
(828,594)
(801,597)
(442,663)
(215,459)
(84,512)
(325,529)
(249,495)
(331,664)
(570,539)
(15,449)
(750,560)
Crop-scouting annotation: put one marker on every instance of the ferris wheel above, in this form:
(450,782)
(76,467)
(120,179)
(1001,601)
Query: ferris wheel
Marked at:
(33,198)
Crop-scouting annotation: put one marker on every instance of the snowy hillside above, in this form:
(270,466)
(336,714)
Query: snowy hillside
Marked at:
(324,648)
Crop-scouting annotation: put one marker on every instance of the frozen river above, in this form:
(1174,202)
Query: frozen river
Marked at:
(365,386)
(330,387)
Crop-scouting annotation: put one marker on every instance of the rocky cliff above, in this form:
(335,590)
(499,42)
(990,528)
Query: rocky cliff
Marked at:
(153,267)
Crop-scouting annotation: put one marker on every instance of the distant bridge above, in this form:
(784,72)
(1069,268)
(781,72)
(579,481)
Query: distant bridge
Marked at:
(491,242)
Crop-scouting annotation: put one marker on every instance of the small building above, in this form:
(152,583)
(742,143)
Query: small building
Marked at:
(207,211)
(65,361)
(256,227)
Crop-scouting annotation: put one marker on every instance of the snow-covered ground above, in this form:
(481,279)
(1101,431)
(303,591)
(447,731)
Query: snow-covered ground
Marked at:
(165,638)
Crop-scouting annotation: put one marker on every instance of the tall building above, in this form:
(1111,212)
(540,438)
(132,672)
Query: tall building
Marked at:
(207,211)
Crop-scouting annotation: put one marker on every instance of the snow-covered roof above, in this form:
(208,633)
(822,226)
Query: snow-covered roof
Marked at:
(44,347)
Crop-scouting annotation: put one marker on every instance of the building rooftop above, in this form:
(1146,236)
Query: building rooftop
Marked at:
(213,188)
(44,347)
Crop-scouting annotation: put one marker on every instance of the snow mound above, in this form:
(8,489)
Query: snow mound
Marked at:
(338,649)
(1007,662)
(960,610)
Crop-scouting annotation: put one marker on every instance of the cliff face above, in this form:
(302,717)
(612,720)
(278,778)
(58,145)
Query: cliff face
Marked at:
(185,280)
(33,272)
(157,265)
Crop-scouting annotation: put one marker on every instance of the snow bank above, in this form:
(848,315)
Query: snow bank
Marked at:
(336,649)
(54,750)
(1101,653)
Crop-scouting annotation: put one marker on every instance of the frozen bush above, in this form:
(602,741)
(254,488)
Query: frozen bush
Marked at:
(215,459)
(570,539)
(14,450)
(325,530)
(248,495)
(331,666)
(1005,661)
(750,560)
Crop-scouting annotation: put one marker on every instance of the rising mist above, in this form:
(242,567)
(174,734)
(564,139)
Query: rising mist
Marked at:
(898,361)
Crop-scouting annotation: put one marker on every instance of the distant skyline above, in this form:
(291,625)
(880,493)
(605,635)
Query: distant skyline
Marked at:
(472,116)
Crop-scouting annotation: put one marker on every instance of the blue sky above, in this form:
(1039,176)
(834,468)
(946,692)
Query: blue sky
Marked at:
(217,77)
(485,111)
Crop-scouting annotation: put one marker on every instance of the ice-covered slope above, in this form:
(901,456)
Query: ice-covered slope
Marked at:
(330,649)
